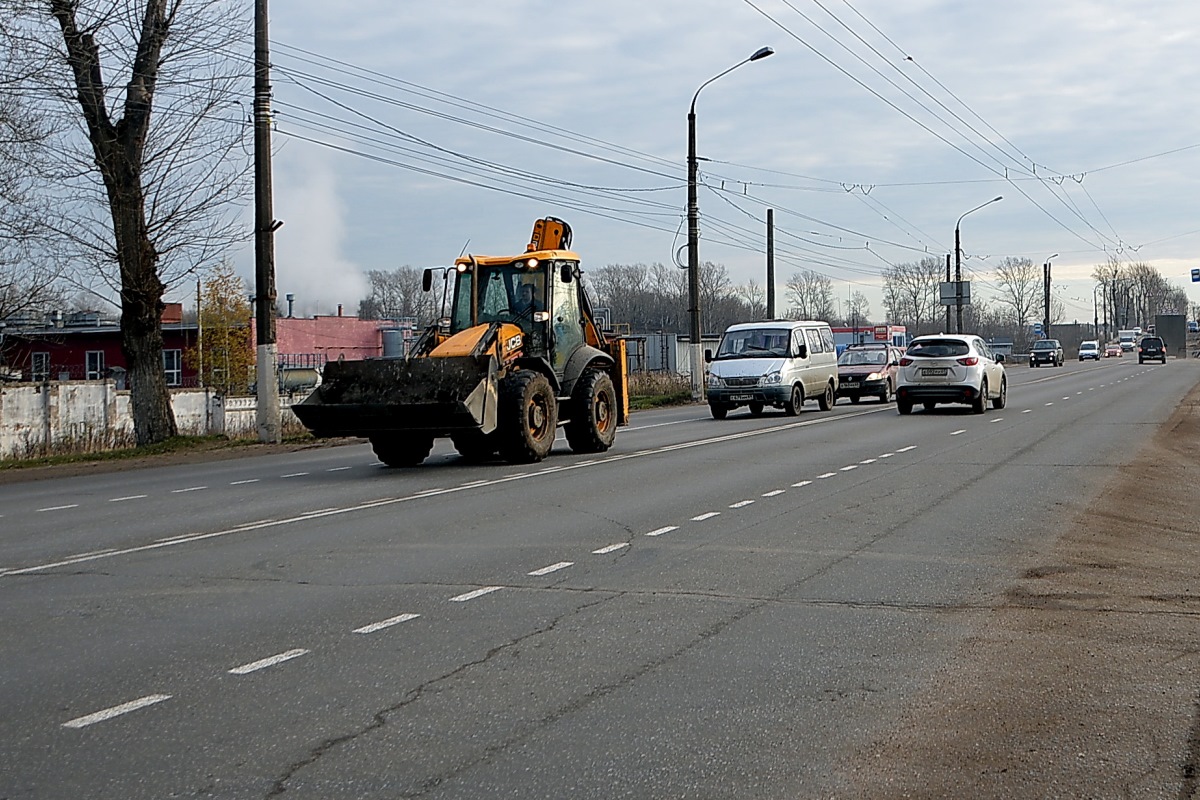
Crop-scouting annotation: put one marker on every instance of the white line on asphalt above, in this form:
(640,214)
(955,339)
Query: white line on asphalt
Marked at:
(116,711)
(387,623)
(848,468)
(473,483)
(1066,398)
(774,493)
(270,661)
(610,549)
(1026,411)
(742,504)
(706,515)
(886,455)
(799,484)
(189,489)
(294,475)
(824,475)
(537,573)
(906,449)
(957,432)
(661,531)
(336,469)
(103,552)
(128,497)
(1049,404)
(59,508)
(239,483)
(868,461)
(462,598)
(997,419)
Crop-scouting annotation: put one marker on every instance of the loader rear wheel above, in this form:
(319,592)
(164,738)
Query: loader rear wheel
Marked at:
(474,446)
(593,425)
(528,417)
(405,450)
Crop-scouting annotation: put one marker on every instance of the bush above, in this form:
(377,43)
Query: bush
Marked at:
(655,389)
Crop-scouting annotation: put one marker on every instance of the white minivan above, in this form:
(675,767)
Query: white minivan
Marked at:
(777,363)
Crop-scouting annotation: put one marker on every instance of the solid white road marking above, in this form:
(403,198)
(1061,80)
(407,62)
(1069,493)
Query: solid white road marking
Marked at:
(239,483)
(610,549)
(552,568)
(116,711)
(706,515)
(129,497)
(270,661)
(742,504)
(59,508)
(800,484)
(774,493)
(661,531)
(189,489)
(387,623)
(462,598)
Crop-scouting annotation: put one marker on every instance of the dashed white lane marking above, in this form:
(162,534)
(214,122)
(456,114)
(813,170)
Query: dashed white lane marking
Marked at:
(116,711)
(270,661)
(462,598)
(826,475)
(848,468)
(997,419)
(386,623)
(239,483)
(957,432)
(742,504)
(661,531)
(189,489)
(1066,398)
(59,508)
(906,449)
(336,469)
(1050,404)
(774,493)
(612,548)
(886,455)
(801,484)
(868,461)
(127,497)
(294,475)
(552,568)
(706,515)
(1026,411)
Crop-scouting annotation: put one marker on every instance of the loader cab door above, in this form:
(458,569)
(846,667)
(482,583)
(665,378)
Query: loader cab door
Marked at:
(566,319)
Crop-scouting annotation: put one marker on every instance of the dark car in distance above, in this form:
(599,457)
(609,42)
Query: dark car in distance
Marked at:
(1046,351)
(1152,348)
(868,370)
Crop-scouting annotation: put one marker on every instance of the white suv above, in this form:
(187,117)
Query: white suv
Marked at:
(950,368)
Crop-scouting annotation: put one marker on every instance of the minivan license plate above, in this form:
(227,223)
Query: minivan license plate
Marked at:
(742,397)
(932,371)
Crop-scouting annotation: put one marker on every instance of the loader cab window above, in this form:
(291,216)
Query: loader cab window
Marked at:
(566,320)
(464,290)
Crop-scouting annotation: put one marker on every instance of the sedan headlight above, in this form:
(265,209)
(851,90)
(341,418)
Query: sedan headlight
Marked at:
(714,381)
(771,379)
(875,376)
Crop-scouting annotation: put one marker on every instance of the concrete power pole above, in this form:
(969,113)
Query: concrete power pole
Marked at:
(267,390)
(770,263)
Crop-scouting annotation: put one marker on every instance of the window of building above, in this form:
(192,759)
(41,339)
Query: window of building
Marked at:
(173,367)
(95,365)
(40,367)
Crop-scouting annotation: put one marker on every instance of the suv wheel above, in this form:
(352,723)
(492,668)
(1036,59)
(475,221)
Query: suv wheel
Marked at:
(980,404)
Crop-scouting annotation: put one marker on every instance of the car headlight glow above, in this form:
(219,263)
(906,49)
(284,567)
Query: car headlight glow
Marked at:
(714,381)
(772,379)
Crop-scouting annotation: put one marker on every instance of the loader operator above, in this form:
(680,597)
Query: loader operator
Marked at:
(527,301)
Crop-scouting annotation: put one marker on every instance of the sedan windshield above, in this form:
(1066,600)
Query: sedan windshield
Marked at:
(1045,345)
(754,343)
(854,358)
(935,348)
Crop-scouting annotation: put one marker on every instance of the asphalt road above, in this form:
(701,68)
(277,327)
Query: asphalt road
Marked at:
(710,609)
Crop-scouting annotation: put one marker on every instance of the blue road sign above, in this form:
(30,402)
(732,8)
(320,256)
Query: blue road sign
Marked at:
(1196,276)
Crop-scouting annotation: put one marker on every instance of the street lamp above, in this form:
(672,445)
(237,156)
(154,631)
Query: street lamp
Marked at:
(693,212)
(958,263)
(1046,301)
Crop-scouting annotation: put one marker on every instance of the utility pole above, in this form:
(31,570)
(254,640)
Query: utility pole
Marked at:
(267,389)
(957,281)
(770,263)
(1046,306)
(947,281)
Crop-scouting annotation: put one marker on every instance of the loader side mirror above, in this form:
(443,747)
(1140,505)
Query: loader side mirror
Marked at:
(427,280)
(566,274)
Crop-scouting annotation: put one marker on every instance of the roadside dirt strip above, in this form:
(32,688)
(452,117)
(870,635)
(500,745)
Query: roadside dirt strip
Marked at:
(1085,681)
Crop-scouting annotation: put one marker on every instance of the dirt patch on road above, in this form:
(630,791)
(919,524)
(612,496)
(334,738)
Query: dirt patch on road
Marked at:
(1085,681)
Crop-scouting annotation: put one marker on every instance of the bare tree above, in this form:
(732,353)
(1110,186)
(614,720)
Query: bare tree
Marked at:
(149,176)
(398,294)
(811,294)
(1021,288)
(754,297)
(858,309)
(911,294)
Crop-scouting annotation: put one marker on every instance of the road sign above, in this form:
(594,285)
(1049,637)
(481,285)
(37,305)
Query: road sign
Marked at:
(1196,276)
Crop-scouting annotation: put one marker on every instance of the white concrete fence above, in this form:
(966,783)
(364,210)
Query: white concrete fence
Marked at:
(87,416)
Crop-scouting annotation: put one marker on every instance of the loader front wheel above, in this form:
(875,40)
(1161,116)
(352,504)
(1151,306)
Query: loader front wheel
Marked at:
(405,450)
(593,425)
(528,417)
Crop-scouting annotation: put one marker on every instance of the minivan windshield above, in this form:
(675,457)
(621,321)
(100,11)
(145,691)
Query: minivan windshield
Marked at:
(938,347)
(755,343)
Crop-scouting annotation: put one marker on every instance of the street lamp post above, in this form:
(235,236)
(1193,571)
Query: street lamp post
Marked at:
(693,212)
(1095,312)
(958,264)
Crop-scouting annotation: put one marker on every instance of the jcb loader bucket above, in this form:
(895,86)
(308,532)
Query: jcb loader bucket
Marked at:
(437,395)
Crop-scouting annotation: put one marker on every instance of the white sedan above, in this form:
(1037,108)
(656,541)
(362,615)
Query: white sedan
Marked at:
(950,368)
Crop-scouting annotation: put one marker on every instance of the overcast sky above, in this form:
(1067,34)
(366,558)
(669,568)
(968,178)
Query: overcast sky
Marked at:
(407,132)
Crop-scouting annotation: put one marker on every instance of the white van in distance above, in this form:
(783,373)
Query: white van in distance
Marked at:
(777,363)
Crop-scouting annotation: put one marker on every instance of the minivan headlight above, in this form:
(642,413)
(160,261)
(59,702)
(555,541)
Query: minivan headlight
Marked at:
(714,381)
(771,379)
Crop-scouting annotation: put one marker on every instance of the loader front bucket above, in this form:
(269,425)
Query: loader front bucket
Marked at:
(437,395)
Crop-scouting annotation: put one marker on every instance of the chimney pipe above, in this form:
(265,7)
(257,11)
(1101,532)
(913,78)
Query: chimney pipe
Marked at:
(290,299)
(339,309)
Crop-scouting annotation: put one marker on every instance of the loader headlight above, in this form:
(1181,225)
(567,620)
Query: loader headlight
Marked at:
(541,316)
(529,263)
(771,379)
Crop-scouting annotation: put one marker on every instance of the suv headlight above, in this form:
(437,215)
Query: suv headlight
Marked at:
(714,381)
(771,379)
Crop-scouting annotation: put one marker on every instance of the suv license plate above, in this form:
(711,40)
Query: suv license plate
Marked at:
(742,397)
(933,371)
